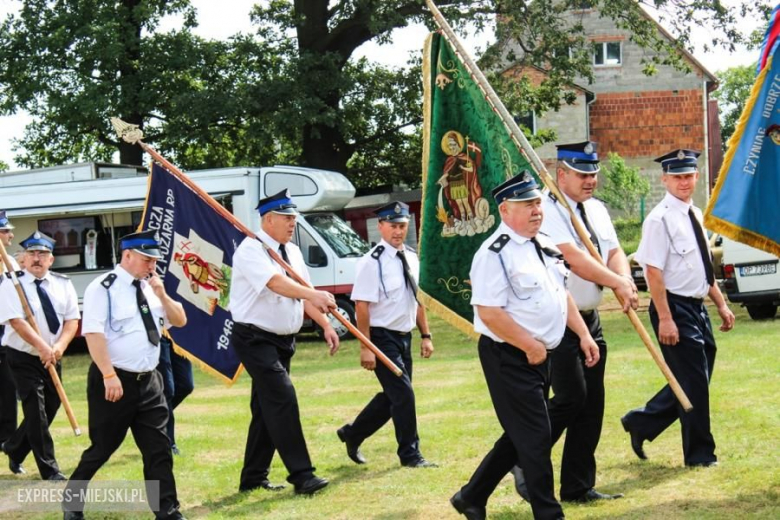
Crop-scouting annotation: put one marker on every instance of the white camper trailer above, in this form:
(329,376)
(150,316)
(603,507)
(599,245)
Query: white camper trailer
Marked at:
(82,204)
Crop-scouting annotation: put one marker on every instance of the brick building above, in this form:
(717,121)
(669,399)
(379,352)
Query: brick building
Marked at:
(637,116)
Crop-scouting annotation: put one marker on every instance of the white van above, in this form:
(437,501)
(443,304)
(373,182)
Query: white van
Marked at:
(66,202)
(751,278)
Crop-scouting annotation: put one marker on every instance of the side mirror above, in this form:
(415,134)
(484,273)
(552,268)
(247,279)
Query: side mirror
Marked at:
(317,256)
(719,241)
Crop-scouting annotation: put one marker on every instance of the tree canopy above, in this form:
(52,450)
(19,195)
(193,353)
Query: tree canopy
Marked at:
(292,92)
(733,92)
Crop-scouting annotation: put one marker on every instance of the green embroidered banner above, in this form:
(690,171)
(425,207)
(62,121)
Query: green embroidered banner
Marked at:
(467,152)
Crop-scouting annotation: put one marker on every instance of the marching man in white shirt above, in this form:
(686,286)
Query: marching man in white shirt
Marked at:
(54,303)
(679,272)
(578,402)
(124,314)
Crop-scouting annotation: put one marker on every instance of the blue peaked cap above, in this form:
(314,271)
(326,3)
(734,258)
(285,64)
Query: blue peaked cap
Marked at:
(279,203)
(581,157)
(143,242)
(393,212)
(679,162)
(4,223)
(38,242)
(520,187)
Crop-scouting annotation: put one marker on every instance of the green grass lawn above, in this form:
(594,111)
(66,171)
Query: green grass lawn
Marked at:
(457,427)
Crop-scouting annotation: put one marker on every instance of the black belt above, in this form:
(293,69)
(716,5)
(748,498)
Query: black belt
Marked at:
(397,332)
(137,376)
(686,299)
(501,343)
(255,328)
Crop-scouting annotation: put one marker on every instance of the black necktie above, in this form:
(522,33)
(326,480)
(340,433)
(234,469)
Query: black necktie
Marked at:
(146,314)
(703,251)
(283,252)
(539,252)
(48,308)
(593,237)
(407,273)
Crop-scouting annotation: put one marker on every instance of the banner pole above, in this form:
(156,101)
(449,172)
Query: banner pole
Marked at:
(133,135)
(530,155)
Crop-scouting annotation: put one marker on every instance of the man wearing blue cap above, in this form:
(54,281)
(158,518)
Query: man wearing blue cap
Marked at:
(578,402)
(54,303)
(521,310)
(386,309)
(679,272)
(8,412)
(268,308)
(124,314)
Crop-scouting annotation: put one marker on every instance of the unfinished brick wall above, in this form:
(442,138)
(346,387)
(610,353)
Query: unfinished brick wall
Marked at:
(649,123)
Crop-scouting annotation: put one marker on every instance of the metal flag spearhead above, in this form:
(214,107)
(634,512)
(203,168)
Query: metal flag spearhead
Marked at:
(128,132)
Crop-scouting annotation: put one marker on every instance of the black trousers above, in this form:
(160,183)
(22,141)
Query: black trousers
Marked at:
(395,401)
(577,406)
(276,421)
(8,407)
(178,381)
(40,403)
(691,361)
(518,391)
(143,411)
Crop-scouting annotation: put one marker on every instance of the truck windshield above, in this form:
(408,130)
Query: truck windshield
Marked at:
(337,233)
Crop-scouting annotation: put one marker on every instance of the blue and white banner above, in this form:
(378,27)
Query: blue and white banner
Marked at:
(744,203)
(197,246)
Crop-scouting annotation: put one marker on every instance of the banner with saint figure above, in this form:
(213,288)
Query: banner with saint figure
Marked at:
(467,152)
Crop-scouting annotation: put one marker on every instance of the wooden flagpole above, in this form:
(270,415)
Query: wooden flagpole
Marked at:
(133,135)
(530,155)
(28,316)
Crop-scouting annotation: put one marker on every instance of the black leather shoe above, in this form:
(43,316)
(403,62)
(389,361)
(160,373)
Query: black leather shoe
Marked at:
(57,477)
(636,440)
(470,511)
(708,464)
(353,448)
(520,486)
(419,463)
(73,515)
(263,484)
(592,495)
(15,468)
(311,486)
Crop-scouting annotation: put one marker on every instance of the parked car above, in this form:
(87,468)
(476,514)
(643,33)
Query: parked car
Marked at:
(716,245)
(751,279)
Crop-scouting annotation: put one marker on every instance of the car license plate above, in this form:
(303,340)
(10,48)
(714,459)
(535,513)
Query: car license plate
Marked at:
(639,273)
(755,270)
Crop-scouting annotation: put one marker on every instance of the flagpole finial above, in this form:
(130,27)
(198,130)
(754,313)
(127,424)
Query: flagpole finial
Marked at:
(128,132)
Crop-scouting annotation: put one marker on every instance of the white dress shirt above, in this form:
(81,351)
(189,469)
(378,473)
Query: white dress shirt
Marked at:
(558,227)
(533,294)
(251,301)
(391,301)
(669,244)
(128,344)
(63,298)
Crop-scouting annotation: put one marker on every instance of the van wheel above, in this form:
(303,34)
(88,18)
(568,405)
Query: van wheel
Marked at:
(762,312)
(346,309)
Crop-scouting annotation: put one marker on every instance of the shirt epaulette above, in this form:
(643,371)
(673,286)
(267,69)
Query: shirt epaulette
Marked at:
(378,250)
(552,197)
(109,280)
(59,275)
(499,244)
(18,274)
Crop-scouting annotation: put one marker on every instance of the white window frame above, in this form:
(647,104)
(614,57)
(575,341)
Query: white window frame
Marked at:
(604,50)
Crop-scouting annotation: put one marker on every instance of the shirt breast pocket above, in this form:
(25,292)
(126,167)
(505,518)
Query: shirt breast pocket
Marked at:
(394,285)
(122,317)
(684,244)
(525,285)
